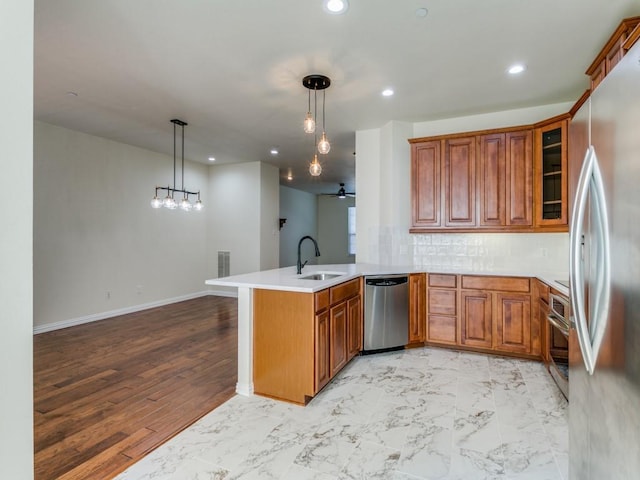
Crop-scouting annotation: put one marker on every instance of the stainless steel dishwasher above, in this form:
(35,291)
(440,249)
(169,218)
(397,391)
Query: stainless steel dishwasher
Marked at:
(386,312)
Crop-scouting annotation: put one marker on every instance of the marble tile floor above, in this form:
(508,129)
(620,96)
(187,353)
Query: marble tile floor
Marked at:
(423,413)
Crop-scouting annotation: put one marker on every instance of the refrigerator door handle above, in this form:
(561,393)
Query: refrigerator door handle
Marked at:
(590,334)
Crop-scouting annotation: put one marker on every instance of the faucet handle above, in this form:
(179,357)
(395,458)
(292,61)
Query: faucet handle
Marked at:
(304,263)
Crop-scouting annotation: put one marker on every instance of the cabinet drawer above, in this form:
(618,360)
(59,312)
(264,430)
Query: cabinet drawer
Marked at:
(344,291)
(442,302)
(506,284)
(440,280)
(321,300)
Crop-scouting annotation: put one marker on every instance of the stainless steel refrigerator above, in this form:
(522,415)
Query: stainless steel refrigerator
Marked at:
(604,370)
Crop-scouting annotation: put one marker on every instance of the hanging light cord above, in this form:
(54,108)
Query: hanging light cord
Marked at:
(323,95)
(174,156)
(182,158)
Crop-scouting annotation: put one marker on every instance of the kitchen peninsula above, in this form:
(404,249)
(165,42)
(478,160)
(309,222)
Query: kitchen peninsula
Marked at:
(293,296)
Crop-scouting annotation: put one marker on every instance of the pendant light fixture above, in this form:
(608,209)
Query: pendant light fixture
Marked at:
(315,169)
(317,82)
(169,201)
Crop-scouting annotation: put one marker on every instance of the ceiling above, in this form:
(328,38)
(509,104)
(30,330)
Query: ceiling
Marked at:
(233,69)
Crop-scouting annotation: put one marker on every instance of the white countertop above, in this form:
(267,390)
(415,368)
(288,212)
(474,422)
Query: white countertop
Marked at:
(286,278)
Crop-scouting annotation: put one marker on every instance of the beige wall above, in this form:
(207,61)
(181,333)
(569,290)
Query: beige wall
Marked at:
(16,293)
(98,245)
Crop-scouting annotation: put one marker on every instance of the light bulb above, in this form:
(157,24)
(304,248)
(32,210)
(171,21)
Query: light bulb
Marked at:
(170,203)
(198,206)
(309,123)
(156,202)
(185,204)
(323,145)
(315,169)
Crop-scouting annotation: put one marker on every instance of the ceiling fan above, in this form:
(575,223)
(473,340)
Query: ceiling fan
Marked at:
(341,193)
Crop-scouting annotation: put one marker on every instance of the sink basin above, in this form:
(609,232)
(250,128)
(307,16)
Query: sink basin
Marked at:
(320,276)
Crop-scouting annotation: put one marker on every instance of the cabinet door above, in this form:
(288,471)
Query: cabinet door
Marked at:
(460,182)
(513,323)
(425,188)
(338,337)
(417,312)
(519,177)
(322,366)
(492,180)
(354,311)
(551,198)
(475,319)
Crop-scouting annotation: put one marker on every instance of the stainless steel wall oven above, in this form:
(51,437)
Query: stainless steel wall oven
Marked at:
(558,341)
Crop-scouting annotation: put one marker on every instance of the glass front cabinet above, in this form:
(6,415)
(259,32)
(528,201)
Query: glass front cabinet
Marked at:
(551,198)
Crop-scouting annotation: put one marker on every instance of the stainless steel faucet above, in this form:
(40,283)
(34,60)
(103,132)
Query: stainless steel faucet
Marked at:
(300,264)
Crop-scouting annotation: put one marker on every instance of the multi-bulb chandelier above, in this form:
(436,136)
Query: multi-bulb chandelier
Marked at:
(316,82)
(169,201)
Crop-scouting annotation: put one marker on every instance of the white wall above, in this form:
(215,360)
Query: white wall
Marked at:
(240,196)
(16,292)
(383,184)
(300,210)
(333,232)
(98,245)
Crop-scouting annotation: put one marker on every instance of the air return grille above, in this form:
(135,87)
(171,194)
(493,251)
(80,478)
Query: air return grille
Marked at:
(223,264)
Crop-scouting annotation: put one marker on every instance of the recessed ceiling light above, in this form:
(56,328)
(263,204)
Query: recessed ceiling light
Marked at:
(274,151)
(335,7)
(387,92)
(421,12)
(517,68)
(212,159)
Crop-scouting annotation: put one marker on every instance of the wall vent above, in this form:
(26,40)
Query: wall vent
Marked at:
(223,264)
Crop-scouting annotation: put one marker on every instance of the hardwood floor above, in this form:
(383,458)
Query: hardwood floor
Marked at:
(109,392)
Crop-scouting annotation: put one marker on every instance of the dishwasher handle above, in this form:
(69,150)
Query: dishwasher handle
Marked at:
(386,281)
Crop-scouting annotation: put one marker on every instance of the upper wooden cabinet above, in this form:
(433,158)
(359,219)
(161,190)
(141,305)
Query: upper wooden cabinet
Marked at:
(460,182)
(613,51)
(519,178)
(551,174)
(425,184)
(481,180)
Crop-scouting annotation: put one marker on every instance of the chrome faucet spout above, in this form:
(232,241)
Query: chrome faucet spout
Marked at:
(299,264)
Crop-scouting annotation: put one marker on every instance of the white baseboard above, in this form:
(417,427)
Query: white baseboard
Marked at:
(244,389)
(94,317)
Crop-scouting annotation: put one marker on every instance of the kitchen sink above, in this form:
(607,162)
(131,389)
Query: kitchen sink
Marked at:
(321,276)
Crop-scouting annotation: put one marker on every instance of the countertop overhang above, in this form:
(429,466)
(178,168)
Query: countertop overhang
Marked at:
(286,278)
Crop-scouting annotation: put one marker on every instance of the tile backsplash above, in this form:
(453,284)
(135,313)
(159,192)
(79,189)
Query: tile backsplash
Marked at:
(481,252)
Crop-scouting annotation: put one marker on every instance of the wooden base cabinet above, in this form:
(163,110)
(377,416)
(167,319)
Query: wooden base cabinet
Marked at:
(442,309)
(486,313)
(354,327)
(417,312)
(476,319)
(321,352)
(301,340)
(512,328)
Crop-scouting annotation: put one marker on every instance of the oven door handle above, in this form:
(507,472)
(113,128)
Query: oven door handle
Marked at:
(564,329)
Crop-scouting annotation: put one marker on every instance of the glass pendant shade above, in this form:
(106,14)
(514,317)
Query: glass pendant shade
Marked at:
(323,145)
(198,206)
(315,169)
(309,124)
(156,202)
(185,204)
